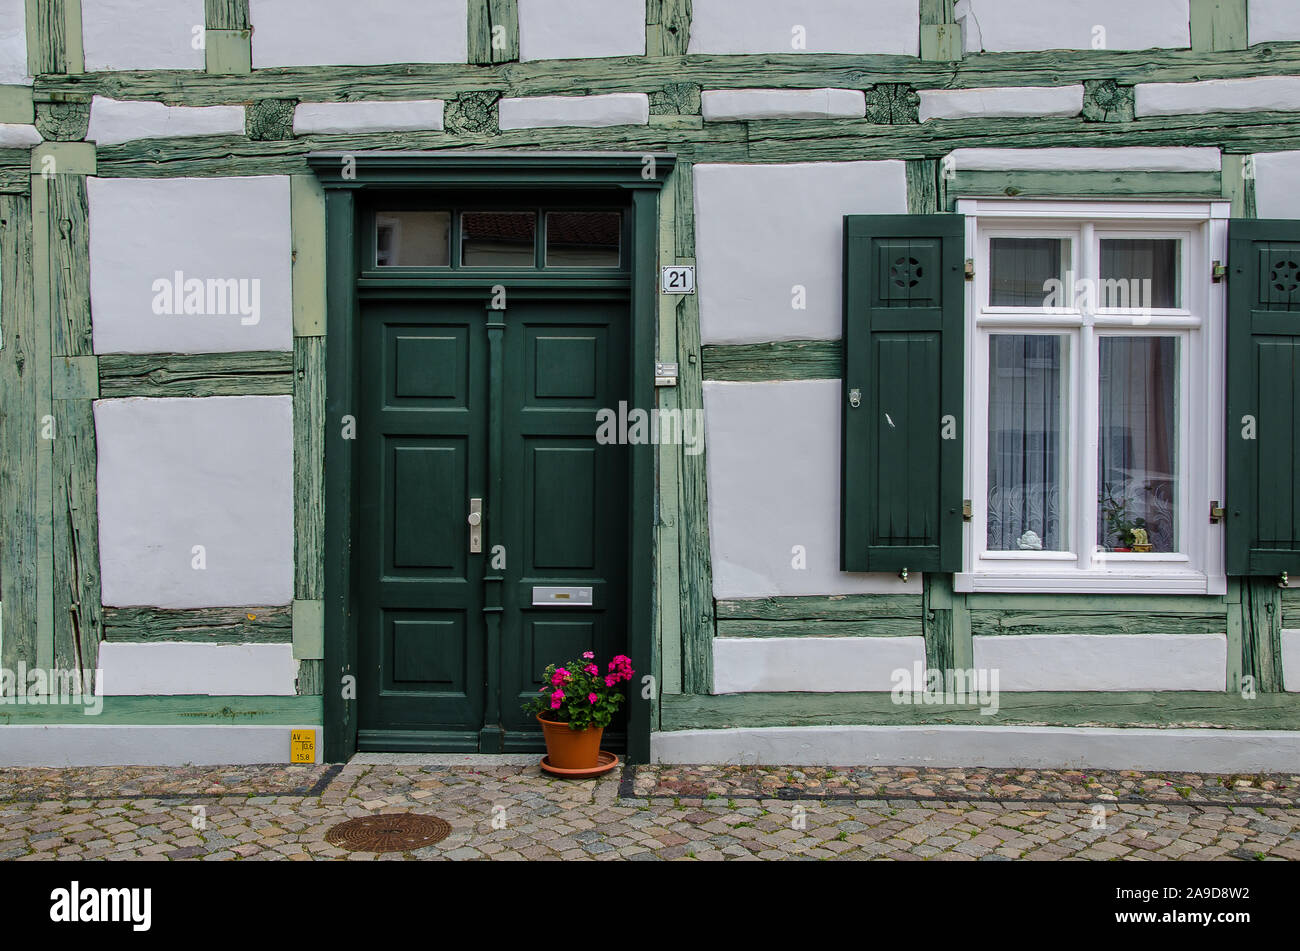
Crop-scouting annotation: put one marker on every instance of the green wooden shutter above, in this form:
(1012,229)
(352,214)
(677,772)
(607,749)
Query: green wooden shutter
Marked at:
(1263,437)
(901,482)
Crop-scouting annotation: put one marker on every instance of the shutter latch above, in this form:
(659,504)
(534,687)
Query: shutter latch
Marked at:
(855,397)
(970,269)
(1218,272)
(1216,512)
(965,510)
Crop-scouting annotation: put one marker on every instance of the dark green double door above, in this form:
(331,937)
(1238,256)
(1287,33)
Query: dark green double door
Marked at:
(461,402)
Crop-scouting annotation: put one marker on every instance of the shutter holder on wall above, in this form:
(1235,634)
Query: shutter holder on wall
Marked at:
(1216,512)
(1218,272)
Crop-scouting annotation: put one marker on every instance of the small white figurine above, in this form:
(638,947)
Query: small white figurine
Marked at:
(1030,541)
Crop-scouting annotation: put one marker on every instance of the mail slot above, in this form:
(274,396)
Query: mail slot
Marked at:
(558,597)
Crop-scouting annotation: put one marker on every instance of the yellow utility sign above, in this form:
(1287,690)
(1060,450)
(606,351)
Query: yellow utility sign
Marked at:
(302,746)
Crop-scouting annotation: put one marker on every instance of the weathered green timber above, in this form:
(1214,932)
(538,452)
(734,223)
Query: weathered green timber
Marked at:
(666,655)
(667,27)
(1110,185)
(270,120)
(1262,641)
(1153,709)
(493,31)
(936,619)
(1105,100)
(78,625)
(185,709)
(225,14)
(923,187)
(307,211)
(43,425)
(940,33)
(309,467)
(693,516)
(63,121)
(311,675)
(843,615)
(244,625)
(1290,602)
(48,54)
(251,373)
(1239,184)
(20,375)
(1095,621)
(69,266)
(1218,24)
(779,360)
(624,74)
(228,51)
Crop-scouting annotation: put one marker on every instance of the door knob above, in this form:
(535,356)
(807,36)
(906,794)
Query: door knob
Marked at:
(475,526)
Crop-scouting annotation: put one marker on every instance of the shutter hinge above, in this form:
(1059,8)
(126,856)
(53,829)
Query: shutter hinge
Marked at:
(965,510)
(1216,512)
(970,269)
(1218,272)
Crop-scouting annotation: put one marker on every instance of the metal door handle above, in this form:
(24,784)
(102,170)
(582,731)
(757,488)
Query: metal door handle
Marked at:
(475,526)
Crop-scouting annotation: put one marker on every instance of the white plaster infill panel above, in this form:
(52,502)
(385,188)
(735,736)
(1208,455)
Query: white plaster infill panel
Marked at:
(142,34)
(797,26)
(13,43)
(1105,661)
(1026,747)
(1000,102)
(348,33)
(1277,184)
(772,452)
(15,136)
(1291,660)
(113,121)
(1257,94)
(190,265)
(769,238)
(1026,25)
(581,29)
(174,474)
(1272,20)
(733,104)
(812,664)
(541,112)
(170,668)
(1072,159)
(120,744)
(413,115)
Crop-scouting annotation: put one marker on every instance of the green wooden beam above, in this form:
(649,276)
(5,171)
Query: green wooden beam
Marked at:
(252,373)
(1218,25)
(833,607)
(666,658)
(1239,184)
(20,442)
(1290,600)
(1195,604)
(1162,709)
(991,623)
(1085,184)
(1262,633)
(308,630)
(697,618)
(43,424)
(182,710)
(923,187)
(940,33)
(493,31)
(17,105)
(309,467)
(241,625)
(821,627)
(667,27)
(721,71)
(936,619)
(228,51)
(307,210)
(225,14)
(779,360)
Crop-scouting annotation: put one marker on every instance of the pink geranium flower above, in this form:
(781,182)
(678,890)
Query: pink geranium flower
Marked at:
(592,697)
(587,655)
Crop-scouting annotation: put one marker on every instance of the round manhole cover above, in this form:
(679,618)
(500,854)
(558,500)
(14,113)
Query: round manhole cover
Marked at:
(398,832)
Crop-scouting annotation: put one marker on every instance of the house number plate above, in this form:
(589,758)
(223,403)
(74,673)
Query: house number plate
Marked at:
(572,597)
(679,279)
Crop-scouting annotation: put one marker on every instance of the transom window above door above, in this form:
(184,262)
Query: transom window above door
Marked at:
(1095,388)
(498,237)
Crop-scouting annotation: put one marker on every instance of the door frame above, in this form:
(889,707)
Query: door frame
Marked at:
(345,174)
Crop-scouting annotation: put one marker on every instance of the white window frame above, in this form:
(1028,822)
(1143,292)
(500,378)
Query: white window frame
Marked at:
(1199,325)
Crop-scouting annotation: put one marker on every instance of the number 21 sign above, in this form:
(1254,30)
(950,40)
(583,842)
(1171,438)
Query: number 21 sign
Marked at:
(679,279)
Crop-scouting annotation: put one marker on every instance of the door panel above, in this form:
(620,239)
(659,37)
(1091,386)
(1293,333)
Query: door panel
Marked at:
(422,450)
(425,432)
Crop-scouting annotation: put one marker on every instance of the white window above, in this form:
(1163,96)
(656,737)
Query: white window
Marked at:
(1095,388)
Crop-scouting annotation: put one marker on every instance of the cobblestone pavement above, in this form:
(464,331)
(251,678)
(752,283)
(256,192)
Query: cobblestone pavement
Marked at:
(651,813)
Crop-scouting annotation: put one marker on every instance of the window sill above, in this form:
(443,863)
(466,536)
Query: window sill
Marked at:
(1091,582)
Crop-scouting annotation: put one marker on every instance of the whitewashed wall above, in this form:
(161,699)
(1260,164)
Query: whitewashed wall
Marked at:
(348,33)
(1105,661)
(752,253)
(1277,184)
(812,664)
(575,29)
(142,34)
(1015,25)
(1270,20)
(178,473)
(171,668)
(773,460)
(143,231)
(797,26)
(13,42)
(1291,660)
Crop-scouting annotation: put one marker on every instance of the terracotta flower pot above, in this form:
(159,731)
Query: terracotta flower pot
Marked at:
(571,749)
